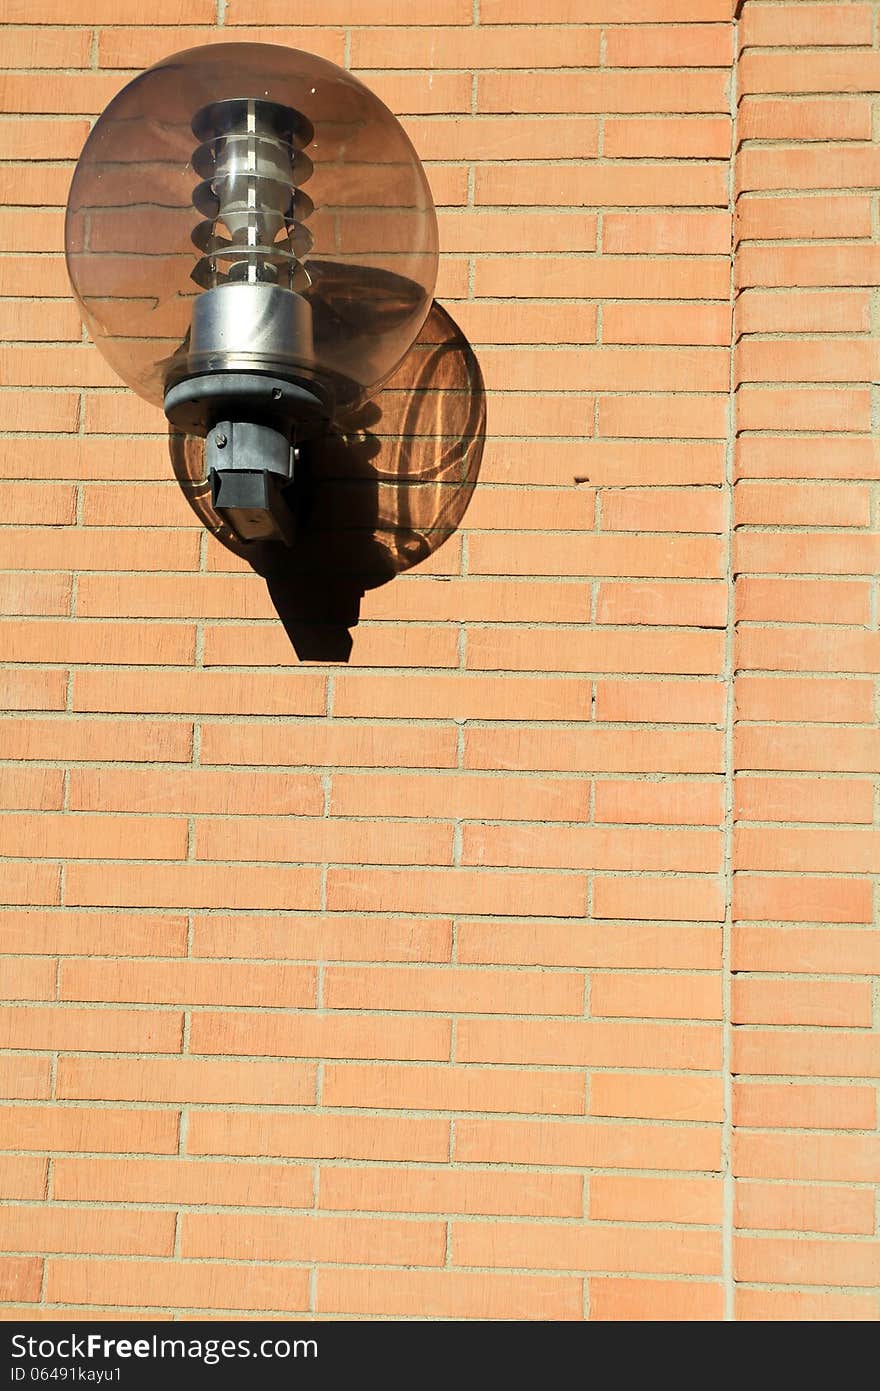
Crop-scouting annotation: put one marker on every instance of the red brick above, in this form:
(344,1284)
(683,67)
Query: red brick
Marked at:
(667,137)
(315,745)
(803,601)
(530,1245)
(763,118)
(683,91)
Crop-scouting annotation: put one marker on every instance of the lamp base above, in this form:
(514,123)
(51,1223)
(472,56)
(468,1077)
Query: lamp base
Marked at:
(251,425)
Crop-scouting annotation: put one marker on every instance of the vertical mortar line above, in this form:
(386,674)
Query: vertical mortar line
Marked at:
(727,1213)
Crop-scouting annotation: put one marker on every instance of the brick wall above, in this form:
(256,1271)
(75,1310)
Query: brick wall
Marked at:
(470,1022)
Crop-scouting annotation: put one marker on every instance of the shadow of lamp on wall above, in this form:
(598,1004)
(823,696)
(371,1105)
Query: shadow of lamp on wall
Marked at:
(253,245)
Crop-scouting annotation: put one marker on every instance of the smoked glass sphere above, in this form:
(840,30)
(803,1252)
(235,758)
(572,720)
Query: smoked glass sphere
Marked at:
(277,184)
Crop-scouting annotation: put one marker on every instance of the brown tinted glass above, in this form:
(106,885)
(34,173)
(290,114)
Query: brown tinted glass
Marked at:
(254,163)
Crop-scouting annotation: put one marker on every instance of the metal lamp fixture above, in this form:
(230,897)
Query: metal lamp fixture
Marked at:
(252,242)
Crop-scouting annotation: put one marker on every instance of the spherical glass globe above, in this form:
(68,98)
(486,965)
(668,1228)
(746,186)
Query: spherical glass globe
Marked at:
(267,182)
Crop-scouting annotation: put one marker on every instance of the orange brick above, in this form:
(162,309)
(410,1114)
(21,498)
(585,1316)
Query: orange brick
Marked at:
(99,1131)
(806,311)
(820,1158)
(825,118)
(806,1306)
(34,594)
(590,1144)
(460,890)
(24,1079)
(24,1176)
(669,46)
(105,12)
(641,996)
(186,1080)
(623,1199)
(586,1043)
(669,1301)
(324,938)
(668,137)
(141,47)
(661,702)
(804,1208)
(51,1027)
(809,72)
(186,1284)
(495,137)
(20,1278)
(615,277)
(684,91)
(102,1231)
(807,167)
(24,883)
(783,219)
(666,803)
(695,899)
(766,408)
(807,266)
(37,321)
(842,751)
(654,509)
(453,1089)
(315,745)
(37,788)
(780,1261)
(802,601)
(804,799)
(191,1181)
(498,47)
(193,791)
(602,555)
(806,553)
(820,1053)
(318,1237)
(44,689)
(63,932)
(191,886)
(823,1107)
(625,185)
(464,795)
(81,548)
(764,457)
(190,983)
(530,1245)
(686,417)
(457,696)
(450,1190)
(24,139)
(761,1001)
(807,849)
(449,1294)
(310,1035)
(441,989)
(812,699)
(27,980)
(791,26)
(836,360)
(66,836)
(594,750)
(580,944)
(766,898)
(317,1136)
(591,848)
(646,1097)
(797,949)
(78,641)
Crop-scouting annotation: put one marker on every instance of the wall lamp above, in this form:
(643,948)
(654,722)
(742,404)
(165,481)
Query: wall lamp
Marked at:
(252,243)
